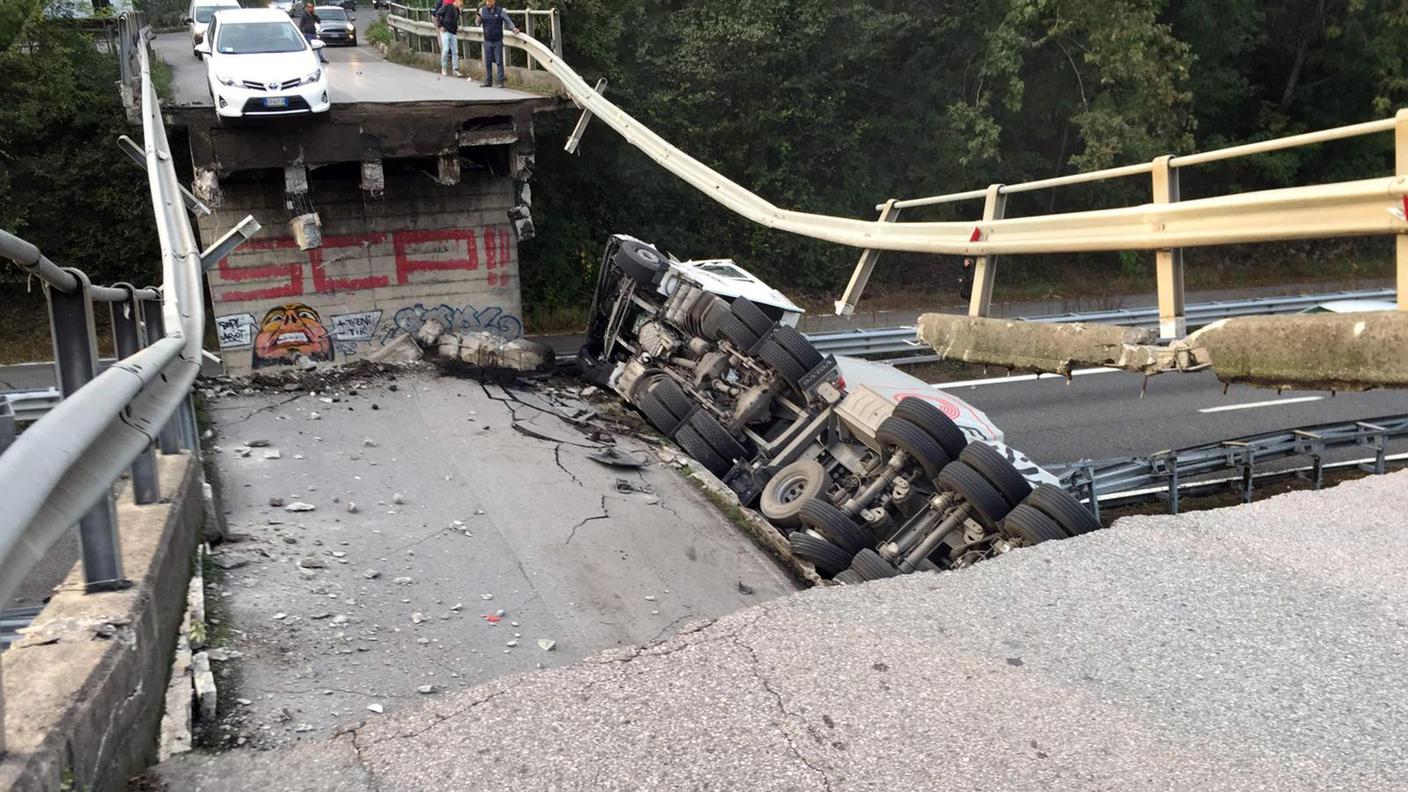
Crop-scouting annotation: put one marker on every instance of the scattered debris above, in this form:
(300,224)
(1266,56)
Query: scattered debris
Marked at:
(417,617)
(312,562)
(546,644)
(276,502)
(398,499)
(300,506)
(377,708)
(426,689)
(403,581)
(260,443)
(275,454)
(371,574)
(744,588)
(614,458)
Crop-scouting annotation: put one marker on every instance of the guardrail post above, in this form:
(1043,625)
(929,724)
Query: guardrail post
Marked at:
(1173,321)
(75,363)
(528,29)
(127,330)
(556,33)
(985,267)
(866,265)
(1400,169)
(190,439)
(169,439)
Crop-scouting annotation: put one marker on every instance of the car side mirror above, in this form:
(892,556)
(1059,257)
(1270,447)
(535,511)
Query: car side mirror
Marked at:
(186,20)
(318,44)
(203,48)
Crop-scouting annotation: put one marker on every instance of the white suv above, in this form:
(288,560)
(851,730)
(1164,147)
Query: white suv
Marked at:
(258,64)
(198,16)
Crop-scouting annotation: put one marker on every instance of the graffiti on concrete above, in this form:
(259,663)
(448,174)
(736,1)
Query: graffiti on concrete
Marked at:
(235,330)
(492,319)
(360,326)
(359,262)
(289,330)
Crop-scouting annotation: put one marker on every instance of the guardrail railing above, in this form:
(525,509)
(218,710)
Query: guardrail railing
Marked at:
(1317,211)
(60,471)
(415,25)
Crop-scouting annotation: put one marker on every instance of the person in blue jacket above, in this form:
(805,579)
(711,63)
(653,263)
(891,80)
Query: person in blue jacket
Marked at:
(493,20)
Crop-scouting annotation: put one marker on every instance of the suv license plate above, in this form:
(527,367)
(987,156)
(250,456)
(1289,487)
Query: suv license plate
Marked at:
(276,101)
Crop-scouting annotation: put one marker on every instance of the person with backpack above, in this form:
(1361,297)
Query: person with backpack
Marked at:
(447,22)
(493,19)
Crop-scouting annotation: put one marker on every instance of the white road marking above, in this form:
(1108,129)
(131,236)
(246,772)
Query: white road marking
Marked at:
(1020,378)
(1231,407)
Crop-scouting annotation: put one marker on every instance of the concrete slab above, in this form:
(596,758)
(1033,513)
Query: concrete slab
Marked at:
(1258,648)
(335,611)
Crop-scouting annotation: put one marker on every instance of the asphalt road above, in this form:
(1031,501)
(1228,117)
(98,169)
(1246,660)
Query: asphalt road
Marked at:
(1256,648)
(458,517)
(1099,416)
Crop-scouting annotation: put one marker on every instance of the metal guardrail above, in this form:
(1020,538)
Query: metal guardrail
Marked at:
(61,471)
(415,23)
(1176,470)
(882,342)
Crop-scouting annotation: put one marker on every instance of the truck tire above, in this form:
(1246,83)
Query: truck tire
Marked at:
(733,330)
(668,393)
(710,320)
(850,577)
(931,419)
(999,472)
(1030,526)
(778,359)
(638,261)
(789,488)
(986,507)
(828,558)
(694,445)
(869,565)
(1063,507)
(833,523)
(720,441)
(752,316)
(657,414)
(922,448)
(797,346)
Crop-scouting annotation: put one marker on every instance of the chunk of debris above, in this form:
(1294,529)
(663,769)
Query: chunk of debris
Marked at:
(486,597)
(403,350)
(398,499)
(426,689)
(258,443)
(417,617)
(614,458)
(276,502)
(273,454)
(547,644)
(403,581)
(371,574)
(368,442)
(312,562)
(352,508)
(300,506)
(377,708)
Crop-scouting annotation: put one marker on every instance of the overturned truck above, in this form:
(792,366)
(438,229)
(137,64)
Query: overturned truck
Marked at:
(869,472)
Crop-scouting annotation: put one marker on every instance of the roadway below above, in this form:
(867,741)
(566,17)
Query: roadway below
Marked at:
(480,528)
(1101,415)
(1254,648)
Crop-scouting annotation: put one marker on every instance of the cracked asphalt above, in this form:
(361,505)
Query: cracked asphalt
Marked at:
(1256,648)
(333,611)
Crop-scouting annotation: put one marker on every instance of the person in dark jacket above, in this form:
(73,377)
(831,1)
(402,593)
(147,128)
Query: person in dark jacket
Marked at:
(493,19)
(308,24)
(447,22)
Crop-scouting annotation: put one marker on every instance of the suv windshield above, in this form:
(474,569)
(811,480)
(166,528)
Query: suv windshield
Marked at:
(332,13)
(251,38)
(206,12)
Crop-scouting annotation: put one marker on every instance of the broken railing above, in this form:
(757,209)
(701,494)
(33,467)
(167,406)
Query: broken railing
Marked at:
(1167,474)
(414,25)
(61,470)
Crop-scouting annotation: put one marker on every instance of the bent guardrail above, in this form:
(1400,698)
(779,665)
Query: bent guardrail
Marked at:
(61,470)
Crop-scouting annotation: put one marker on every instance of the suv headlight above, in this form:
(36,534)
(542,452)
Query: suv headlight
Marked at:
(312,78)
(223,80)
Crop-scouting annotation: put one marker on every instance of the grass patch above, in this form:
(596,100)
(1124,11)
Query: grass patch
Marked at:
(161,78)
(379,32)
(540,320)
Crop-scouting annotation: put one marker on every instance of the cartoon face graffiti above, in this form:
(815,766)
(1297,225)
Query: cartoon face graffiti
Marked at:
(288,330)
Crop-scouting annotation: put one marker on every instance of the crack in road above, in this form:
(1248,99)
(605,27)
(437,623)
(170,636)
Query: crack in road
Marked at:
(557,457)
(253,413)
(605,515)
(756,669)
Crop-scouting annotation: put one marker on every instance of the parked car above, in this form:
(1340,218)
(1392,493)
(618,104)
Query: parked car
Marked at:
(335,26)
(258,64)
(381,3)
(285,6)
(347,5)
(198,16)
(870,472)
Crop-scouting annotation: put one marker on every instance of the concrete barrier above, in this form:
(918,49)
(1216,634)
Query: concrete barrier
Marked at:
(84,686)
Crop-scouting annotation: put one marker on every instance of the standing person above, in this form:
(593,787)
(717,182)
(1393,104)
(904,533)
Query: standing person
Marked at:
(965,280)
(493,19)
(447,21)
(308,25)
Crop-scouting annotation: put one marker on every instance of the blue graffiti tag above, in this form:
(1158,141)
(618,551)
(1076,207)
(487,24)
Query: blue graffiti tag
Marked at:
(491,320)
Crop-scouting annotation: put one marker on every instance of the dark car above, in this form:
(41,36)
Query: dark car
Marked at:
(336,26)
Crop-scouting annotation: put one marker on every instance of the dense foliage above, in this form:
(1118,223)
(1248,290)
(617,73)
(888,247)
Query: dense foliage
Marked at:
(63,184)
(835,105)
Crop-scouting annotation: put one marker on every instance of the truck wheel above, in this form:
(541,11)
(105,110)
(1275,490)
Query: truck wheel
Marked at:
(776,358)
(828,558)
(639,262)
(789,488)
(1030,526)
(833,523)
(849,576)
(657,414)
(732,329)
(931,419)
(987,508)
(669,394)
(997,470)
(720,442)
(752,316)
(909,438)
(711,318)
(1062,507)
(694,445)
(797,346)
(869,565)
